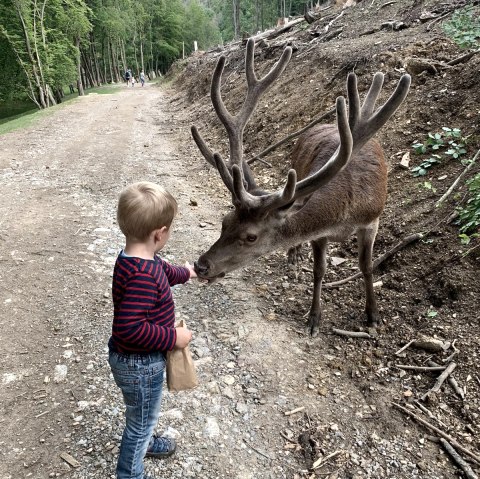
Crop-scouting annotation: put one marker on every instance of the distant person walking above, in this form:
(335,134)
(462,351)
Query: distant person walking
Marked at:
(142,78)
(128,76)
(133,81)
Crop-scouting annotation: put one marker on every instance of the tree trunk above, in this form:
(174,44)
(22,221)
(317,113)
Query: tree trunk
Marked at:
(79,69)
(236,18)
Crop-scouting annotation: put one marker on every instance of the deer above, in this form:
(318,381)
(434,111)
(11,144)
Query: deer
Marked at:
(337,185)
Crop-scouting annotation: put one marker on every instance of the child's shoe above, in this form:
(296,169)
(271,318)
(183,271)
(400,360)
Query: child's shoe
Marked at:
(161,447)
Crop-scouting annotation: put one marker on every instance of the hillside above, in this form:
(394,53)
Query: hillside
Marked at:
(430,287)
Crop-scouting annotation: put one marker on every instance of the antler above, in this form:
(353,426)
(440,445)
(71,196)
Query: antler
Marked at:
(361,126)
(235,124)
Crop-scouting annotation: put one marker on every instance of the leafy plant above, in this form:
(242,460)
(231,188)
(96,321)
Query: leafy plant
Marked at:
(469,216)
(464,27)
(449,142)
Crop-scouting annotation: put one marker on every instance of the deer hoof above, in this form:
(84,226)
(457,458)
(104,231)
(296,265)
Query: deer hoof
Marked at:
(313,328)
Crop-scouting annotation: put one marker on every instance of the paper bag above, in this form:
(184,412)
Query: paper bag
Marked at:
(181,374)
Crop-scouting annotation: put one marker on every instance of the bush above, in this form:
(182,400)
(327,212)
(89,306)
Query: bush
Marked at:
(464,27)
(469,216)
(449,142)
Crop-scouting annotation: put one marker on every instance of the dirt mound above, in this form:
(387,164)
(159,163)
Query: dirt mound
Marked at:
(431,286)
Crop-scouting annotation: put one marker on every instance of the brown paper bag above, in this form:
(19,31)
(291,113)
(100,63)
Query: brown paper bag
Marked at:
(181,374)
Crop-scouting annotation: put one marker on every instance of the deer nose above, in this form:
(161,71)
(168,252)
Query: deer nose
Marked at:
(201,268)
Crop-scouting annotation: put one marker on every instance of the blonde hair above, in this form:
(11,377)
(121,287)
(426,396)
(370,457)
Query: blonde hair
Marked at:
(144,207)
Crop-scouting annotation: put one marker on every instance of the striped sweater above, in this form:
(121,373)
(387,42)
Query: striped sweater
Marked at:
(144,312)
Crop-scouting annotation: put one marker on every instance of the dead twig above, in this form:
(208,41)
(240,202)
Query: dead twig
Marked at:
(450,439)
(461,463)
(440,380)
(455,183)
(385,5)
(256,450)
(451,380)
(463,58)
(404,347)
(429,413)
(290,137)
(420,368)
(322,461)
(294,411)
(405,242)
(352,334)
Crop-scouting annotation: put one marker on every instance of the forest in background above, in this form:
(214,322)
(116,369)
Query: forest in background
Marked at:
(48,47)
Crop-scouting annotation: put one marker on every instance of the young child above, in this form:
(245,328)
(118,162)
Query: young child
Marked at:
(143,323)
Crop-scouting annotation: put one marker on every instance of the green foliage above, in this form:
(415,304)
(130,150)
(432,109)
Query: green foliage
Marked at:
(469,215)
(449,142)
(464,27)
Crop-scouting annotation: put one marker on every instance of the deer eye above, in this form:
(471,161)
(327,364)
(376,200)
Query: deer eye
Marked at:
(251,238)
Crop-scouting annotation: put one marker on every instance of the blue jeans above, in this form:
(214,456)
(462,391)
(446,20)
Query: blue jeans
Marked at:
(140,378)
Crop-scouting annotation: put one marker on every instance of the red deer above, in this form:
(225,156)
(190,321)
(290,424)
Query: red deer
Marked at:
(338,185)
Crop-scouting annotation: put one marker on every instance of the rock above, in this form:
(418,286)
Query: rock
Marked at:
(60,373)
(211,428)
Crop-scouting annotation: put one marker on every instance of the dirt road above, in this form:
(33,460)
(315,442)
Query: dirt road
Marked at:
(59,182)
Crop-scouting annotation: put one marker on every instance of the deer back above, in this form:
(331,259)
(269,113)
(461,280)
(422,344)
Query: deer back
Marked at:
(355,196)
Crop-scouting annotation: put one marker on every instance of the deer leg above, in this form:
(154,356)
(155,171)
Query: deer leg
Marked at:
(366,238)
(319,248)
(294,254)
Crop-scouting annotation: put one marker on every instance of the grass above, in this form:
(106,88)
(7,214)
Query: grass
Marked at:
(22,114)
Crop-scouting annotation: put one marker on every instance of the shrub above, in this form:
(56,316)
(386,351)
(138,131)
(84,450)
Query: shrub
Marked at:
(449,142)
(464,27)
(469,216)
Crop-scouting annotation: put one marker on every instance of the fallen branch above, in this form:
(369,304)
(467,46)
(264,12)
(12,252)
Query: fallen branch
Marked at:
(429,414)
(462,58)
(469,474)
(450,439)
(440,380)
(452,381)
(386,5)
(331,23)
(352,334)
(420,368)
(405,242)
(294,411)
(404,347)
(455,183)
(290,137)
(321,462)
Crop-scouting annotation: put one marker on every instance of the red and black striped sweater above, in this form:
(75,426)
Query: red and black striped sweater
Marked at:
(144,312)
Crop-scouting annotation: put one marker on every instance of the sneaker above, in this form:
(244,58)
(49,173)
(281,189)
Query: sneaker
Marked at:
(161,447)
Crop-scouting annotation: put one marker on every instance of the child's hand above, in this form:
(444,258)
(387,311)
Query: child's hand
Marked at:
(190,268)
(184,336)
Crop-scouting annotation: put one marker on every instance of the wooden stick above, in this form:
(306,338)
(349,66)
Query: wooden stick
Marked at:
(462,58)
(404,347)
(420,368)
(290,137)
(293,411)
(429,414)
(450,439)
(406,241)
(352,334)
(440,380)
(451,380)
(321,462)
(469,474)
(455,183)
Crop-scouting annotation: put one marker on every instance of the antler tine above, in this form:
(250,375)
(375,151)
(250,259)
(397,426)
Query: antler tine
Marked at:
(263,203)
(224,173)
(202,146)
(338,160)
(235,125)
(364,122)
